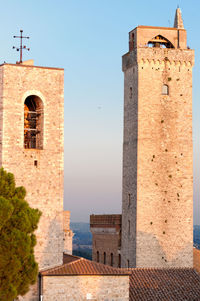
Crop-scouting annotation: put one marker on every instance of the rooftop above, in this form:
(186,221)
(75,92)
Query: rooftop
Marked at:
(156,27)
(74,265)
(30,66)
(164,284)
(145,283)
(105,219)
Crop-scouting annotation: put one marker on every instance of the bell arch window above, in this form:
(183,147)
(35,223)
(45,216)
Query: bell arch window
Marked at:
(160,42)
(165,90)
(33,122)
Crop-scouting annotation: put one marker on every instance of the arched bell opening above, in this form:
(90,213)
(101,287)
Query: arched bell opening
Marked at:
(33,122)
(160,42)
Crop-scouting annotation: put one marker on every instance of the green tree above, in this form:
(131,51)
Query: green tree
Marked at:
(18,221)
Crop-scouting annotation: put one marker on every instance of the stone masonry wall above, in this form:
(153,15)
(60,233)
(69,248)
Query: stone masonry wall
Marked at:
(81,288)
(165,160)
(129,189)
(68,234)
(107,243)
(44,182)
(158,159)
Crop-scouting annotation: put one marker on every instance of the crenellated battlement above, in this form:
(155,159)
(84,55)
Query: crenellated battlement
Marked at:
(145,56)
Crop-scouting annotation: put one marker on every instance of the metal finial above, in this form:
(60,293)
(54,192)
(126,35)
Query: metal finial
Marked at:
(21,46)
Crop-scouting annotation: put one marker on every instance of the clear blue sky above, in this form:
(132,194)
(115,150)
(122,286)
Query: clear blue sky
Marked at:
(88,38)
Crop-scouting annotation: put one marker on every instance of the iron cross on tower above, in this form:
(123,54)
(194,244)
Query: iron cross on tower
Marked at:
(21,46)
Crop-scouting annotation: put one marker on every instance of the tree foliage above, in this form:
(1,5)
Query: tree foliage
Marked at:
(18,221)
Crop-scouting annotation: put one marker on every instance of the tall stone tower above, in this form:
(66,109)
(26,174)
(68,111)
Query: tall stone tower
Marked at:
(31,147)
(157,213)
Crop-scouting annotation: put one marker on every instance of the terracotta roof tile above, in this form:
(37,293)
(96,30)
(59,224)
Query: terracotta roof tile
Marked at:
(164,284)
(105,219)
(145,284)
(69,258)
(74,265)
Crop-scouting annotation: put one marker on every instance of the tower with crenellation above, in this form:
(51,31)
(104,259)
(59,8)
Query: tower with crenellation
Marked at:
(157,209)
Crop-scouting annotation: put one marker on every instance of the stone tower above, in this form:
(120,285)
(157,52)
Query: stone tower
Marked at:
(157,210)
(31,147)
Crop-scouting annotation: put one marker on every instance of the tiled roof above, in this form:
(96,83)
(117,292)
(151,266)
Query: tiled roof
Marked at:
(74,265)
(67,258)
(164,284)
(105,219)
(145,284)
(196,257)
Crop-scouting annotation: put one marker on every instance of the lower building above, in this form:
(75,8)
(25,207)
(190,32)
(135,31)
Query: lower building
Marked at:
(80,279)
(106,245)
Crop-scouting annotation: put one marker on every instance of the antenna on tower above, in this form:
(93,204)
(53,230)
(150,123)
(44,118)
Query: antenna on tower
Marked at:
(22,47)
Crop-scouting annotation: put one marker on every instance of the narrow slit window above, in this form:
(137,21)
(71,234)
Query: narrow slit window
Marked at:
(119,261)
(104,257)
(111,259)
(129,227)
(97,256)
(133,40)
(129,200)
(165,90)
(130,92)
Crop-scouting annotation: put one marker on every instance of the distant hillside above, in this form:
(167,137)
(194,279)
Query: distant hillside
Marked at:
(80,227)
(82,240)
